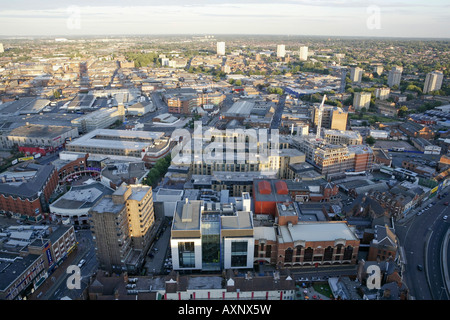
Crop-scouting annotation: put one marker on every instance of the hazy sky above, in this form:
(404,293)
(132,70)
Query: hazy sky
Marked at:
(378,18)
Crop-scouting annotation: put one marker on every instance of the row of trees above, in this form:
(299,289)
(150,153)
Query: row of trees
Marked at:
(158,171)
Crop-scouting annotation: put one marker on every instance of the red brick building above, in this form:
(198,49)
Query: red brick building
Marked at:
(30,198)
(267,193)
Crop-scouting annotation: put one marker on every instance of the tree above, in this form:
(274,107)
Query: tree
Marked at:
(403,111)
(370,140)
(56,94)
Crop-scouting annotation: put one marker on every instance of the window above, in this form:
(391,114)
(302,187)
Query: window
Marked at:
(308,254)
(186,254)
(239,253)
(328,254)
(288,255)
(348,253)
(268,251)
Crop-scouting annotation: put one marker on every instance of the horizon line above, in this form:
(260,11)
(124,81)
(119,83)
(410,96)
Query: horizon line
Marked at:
(220,34)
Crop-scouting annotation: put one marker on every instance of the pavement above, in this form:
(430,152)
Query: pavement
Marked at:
(45,288)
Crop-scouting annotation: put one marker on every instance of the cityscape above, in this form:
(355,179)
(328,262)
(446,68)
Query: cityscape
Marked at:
(223,166)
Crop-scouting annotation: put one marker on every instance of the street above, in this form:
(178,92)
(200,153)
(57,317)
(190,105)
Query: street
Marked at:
(422,238)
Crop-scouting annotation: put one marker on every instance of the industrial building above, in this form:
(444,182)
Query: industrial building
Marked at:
(34,138)
(137,144)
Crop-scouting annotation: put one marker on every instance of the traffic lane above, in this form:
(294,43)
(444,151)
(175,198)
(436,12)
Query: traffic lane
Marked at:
(434,255)
(413,236)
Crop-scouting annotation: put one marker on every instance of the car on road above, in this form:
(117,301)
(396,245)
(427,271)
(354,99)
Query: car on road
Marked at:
(419,267)
(445,217)
(81,263)
(446,203)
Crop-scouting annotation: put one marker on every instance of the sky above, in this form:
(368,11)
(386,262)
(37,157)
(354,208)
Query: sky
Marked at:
(371,18)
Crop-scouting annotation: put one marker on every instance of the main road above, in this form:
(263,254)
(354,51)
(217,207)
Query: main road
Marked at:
(423,240)
(276,120)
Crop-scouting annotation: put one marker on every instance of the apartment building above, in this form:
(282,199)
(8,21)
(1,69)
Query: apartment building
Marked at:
(332,117)
(382,93)
(303,53)
(220,48)
(433,81)
(361,100)
(339,137)
(394,77)
(121,224)
(330,158)
(281,51)
(356,74)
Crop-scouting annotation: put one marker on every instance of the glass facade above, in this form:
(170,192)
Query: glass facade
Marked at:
(186,254)
(210,242)
(239,253)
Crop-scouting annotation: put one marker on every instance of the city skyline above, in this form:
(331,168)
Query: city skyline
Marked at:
(380,18)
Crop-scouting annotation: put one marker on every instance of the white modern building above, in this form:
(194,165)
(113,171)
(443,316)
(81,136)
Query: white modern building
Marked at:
(281,51)
(202,238)
(220,48)
(303,54)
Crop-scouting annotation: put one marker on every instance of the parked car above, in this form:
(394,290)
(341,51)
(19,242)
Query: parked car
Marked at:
(419,267)
(445,217)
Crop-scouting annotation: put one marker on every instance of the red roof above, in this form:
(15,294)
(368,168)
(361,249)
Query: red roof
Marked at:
(264,187)
(281,187)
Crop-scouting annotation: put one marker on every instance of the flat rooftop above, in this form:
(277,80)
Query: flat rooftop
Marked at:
(242,220)
(118,139)
(39,131)
(106,205)
(79,197)
(317,231)
(138,192)
(187,216)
